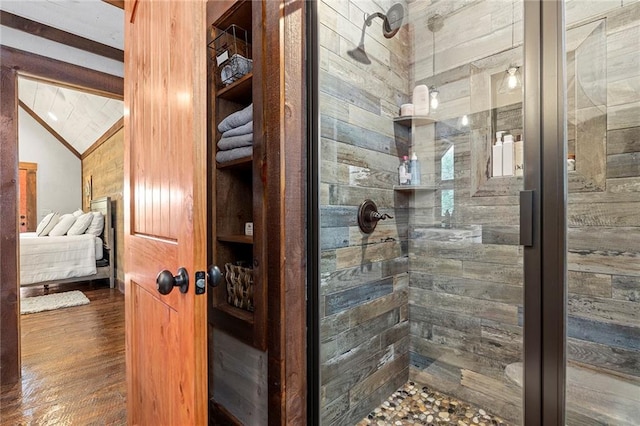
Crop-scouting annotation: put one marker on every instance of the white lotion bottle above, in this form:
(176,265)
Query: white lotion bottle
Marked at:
(496,155)
(421,100)
(507,156)
(519,156)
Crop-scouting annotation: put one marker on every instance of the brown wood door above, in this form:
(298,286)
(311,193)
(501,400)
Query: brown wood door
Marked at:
(27,177)
(165,210)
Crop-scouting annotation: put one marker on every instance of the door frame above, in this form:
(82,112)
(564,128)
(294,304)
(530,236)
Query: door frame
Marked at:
(544,261)
(14,63)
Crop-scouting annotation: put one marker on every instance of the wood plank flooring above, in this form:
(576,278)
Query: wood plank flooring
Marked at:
(73,362)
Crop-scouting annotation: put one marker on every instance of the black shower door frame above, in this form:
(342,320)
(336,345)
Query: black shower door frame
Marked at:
(542,214)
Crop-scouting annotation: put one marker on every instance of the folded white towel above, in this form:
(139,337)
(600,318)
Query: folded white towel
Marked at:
(234,154)
(235,142)
(242,130)
(236,119)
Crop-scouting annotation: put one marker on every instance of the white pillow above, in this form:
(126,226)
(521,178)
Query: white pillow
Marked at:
(81,225)
(97,224)
(78,213)
(63,225)
(47,224)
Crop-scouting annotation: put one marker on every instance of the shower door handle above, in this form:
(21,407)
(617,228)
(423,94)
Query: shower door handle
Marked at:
(526,218)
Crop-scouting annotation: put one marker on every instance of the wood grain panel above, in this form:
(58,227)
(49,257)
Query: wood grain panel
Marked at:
(9,272)
(105,165)
(54,34)
(165,209)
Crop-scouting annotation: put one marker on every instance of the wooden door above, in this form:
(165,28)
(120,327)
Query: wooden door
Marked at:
(165,210)
(28,219)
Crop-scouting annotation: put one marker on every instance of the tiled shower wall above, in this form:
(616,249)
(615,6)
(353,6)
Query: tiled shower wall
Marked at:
(443,305)
(364,281)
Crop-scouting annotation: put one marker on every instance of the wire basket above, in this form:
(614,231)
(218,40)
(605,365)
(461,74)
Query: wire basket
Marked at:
(239,286)
(231,55)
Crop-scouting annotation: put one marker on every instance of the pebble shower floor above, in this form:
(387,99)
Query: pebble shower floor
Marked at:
(414,404)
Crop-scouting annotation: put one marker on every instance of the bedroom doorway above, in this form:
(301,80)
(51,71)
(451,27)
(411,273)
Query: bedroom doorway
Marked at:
(16,63)
(27,176)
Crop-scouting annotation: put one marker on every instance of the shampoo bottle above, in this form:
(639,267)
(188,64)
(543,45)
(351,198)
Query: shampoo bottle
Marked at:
(507,156)
(519,156)
(496,155)
(415,170)
(421,100)
(403,171)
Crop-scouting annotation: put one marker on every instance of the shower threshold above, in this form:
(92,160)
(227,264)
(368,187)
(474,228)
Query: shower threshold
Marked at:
(416,404)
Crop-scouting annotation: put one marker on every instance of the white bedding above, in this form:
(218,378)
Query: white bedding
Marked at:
(56,258)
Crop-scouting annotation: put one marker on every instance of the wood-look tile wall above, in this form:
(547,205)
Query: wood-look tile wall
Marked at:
(450,298)
(105,165)
(364,278)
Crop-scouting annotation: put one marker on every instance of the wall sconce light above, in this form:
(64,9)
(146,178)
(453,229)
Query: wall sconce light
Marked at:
(433,92)
(511,80)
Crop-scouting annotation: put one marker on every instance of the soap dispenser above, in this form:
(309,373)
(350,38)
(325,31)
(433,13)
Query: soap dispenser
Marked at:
(507,156)
(496,154)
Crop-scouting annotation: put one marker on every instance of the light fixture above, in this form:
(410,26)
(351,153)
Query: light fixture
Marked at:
(433,92)
(465,120)
(511,80)
(391,23)
(434,24)
(52,116)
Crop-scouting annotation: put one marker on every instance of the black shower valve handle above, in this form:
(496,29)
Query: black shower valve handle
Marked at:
(368,216)
(377,216)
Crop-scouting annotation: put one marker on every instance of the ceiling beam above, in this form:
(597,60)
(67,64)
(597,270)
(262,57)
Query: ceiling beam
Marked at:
(49,129)
(102,139)
(59,36)
(116,3)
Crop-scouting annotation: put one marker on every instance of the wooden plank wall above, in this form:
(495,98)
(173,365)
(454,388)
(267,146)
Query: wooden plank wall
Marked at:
(457,291)
(105,166)
(364,281)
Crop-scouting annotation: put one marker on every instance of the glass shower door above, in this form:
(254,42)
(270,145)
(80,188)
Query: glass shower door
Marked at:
(603,177)
(420,119)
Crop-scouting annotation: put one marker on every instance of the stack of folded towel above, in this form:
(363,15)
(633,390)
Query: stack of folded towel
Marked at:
(237,136)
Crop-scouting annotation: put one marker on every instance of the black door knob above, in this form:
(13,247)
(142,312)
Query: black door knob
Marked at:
(165,282)
(215,276)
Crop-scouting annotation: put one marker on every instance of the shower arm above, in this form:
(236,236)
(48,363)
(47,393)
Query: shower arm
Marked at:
(367,23)
(369,18)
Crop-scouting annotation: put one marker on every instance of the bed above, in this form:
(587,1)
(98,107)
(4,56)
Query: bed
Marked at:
(54,260)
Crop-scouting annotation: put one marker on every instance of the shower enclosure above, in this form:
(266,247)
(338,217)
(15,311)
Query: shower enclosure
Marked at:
(510,217)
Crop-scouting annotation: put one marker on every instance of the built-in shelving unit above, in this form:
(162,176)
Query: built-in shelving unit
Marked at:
(411,188)
(419,120)
(237,187)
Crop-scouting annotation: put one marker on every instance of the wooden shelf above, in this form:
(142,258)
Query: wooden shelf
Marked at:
(241,314)
(240,239)
(414,188)
(238,91)
(419,120)
(246,161)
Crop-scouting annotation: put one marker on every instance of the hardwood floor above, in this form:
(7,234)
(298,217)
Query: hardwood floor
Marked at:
(73,362)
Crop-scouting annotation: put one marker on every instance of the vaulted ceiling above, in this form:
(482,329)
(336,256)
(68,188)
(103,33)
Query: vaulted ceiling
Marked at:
(88,33)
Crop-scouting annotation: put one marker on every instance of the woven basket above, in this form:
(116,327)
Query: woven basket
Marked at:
(239,286)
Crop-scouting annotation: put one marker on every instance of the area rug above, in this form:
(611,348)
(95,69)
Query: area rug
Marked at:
(30,305)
